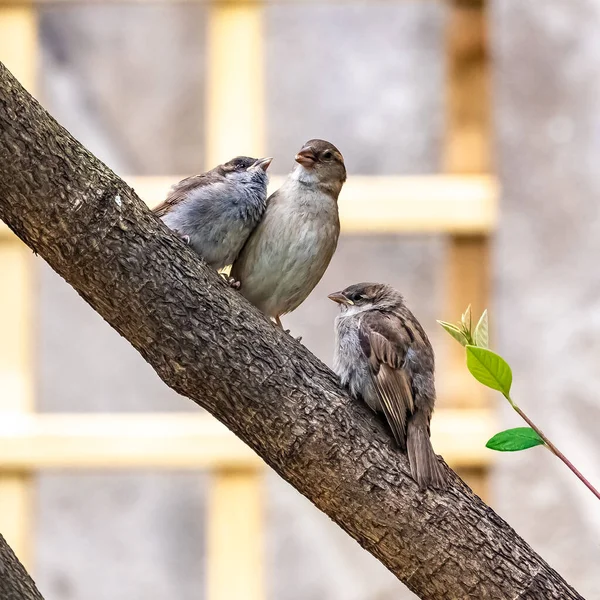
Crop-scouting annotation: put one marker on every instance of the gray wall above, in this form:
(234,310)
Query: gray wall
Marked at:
(128,82)
(547,80)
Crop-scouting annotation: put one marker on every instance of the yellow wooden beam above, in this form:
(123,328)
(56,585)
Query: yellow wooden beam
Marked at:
(466,150)
(235,536)
(376,205)
(407,204)
(460,435)
(16,327)
(18,41)
(18,51)
(450,204)
(467,147)
(419,204)
(16,387)
(217,2)
(183,441)
(235,122)
(120,441)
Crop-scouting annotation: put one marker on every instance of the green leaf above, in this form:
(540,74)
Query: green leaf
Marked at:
(466,319)
(489,368)
(511,440)
(455,332)
(481,331)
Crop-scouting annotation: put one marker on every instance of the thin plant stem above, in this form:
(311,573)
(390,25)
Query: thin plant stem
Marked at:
(555,450)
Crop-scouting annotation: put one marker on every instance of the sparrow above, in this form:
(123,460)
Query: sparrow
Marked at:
(290,249)
(216,211)
(383,355)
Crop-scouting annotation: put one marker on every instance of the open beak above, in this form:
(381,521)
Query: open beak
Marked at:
(340,298)
(261,163)
(306,157)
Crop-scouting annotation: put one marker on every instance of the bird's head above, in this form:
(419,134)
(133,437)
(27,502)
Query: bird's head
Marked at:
(367,296)
(322,163)
(246,168)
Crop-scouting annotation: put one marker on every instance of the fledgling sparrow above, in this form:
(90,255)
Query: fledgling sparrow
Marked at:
(384,357)
(216,211)
(287,254)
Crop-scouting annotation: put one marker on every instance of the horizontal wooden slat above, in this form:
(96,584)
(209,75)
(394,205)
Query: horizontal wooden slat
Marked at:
(460,435)
(408,204)
(183,441)
(114,441)
(430,204)
(267,2)
(452,204)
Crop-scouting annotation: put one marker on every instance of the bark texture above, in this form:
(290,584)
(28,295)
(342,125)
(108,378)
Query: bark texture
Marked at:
(206,342)
(15,583)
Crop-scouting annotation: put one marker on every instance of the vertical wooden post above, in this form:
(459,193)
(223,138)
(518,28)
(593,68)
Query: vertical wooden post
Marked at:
(235,532)
(18,42)
(235,121)
(235,125)
(467,150)
(18,51)
(16,386)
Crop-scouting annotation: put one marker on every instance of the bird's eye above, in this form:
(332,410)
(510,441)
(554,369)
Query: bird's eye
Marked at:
(355,297)
(327,155)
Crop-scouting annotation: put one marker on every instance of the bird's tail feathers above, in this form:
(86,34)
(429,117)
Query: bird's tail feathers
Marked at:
(425,467)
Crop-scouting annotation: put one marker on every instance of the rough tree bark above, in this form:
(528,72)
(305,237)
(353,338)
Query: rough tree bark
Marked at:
(206,342)
(15,583)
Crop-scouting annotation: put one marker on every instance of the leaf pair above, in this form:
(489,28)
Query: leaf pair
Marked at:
(493,371)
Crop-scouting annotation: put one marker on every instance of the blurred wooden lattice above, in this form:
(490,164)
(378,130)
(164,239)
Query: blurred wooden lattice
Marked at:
(461,203)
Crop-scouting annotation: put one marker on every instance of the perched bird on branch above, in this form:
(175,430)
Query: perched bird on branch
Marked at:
(384,357)
(216,211)
(290,249)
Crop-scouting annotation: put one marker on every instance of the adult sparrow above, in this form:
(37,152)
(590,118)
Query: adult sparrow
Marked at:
(216,211)
(288,252)
(384,357)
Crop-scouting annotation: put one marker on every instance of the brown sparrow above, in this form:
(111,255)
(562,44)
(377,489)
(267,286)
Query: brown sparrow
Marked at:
(290,249)
(384,357)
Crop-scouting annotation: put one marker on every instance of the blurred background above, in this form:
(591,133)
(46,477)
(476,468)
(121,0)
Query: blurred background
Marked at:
(478,125)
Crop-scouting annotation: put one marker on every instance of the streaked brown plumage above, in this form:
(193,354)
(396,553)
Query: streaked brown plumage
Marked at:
(384,357)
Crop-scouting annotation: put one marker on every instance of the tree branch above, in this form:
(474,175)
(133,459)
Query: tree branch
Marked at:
(206,342)
(15,583)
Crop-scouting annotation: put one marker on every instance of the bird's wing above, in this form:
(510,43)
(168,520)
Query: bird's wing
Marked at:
(181,190)
(385,341)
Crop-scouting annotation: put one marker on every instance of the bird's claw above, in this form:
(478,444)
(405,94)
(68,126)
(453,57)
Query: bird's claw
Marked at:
(186,239)
(232,282)
(298,339)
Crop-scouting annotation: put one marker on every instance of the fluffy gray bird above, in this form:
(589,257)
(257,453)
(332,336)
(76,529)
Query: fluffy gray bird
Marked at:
(287,254)
(384,357)
(216,211)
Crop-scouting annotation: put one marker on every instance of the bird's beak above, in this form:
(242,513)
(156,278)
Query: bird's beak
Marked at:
(340,298)
(306,157)
(261,163)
